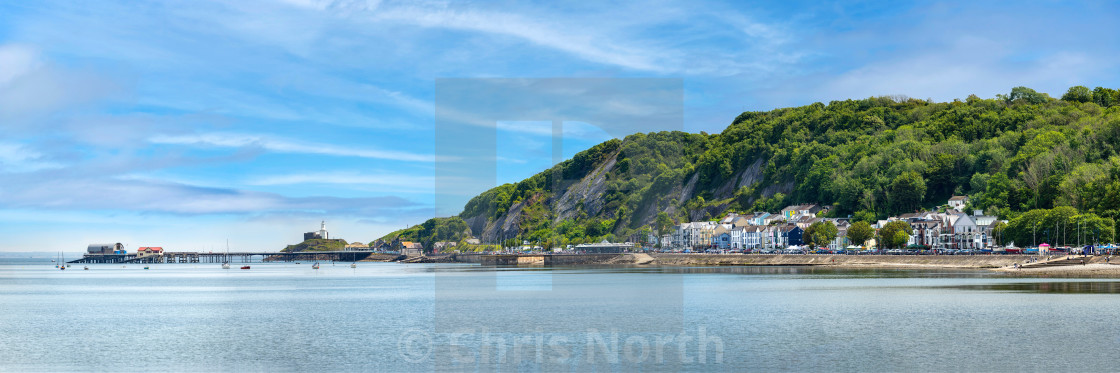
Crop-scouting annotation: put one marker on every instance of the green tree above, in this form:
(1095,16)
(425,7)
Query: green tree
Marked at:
(907,192)
(1105,97)
(889,234)
(899,239)
(1027,95)
(860,232)
(663,223)
(819,234)
(999,230)
(1078,94)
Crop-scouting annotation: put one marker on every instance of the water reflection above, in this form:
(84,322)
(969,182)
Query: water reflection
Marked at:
(785,271)
(1094,287)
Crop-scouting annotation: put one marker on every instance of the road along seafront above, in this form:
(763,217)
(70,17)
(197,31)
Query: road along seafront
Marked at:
(1011,265)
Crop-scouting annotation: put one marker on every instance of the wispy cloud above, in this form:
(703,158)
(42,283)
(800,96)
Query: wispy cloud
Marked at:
(236,140)
(29,85)
(19,158)
(424,183)
(153,196)
(628,36)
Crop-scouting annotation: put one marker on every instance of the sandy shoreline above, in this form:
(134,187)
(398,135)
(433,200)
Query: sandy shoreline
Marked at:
(1095,269)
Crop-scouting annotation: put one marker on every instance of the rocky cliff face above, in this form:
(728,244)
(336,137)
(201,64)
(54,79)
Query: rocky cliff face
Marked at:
(588,197)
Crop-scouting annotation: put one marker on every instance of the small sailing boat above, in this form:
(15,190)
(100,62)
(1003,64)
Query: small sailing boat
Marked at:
(86,268)
(145,267)
(225,265)
(315,266)
(353,265)
(61,261)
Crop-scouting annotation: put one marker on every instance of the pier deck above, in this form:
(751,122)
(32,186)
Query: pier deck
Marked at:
(233,257)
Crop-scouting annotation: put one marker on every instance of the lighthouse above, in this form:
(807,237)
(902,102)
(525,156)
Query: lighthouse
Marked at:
(323,230)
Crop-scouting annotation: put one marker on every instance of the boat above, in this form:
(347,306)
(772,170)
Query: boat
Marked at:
(353,265)
(86,268)
(145,267)
(61,262)
(244,267)
(315,266)
(225,264)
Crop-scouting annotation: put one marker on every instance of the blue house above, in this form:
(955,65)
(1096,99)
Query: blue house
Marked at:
(723,240)
(791,235)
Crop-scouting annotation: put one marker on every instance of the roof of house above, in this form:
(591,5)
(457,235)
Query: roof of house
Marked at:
(959,198)
(155,248)
(984,220)
(787,228)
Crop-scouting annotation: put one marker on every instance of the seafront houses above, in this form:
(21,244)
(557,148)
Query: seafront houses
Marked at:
(840,242)
(382,246)
(722,238)
(958,202)
(737,240)
(411,248)
(772,219)
(444,245)
(758,218)
(925,233)
(730,218)
(788,235)
(973,231)
(677,236)
(148,251)
(804,221)
(795,211)
(761,230)
(700,233)
(754,237)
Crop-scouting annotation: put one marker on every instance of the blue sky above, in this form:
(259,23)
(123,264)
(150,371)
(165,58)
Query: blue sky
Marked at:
(182,124)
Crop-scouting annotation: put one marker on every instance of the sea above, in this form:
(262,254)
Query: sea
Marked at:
(395,317)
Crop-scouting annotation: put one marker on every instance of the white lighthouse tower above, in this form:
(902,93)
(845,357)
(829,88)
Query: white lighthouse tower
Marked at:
(323,230)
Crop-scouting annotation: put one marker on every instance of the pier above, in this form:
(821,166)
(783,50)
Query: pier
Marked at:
(233,257)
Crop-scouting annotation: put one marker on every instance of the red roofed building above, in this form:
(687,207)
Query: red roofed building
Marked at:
(145,251)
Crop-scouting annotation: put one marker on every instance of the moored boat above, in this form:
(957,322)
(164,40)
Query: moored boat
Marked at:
(244,267)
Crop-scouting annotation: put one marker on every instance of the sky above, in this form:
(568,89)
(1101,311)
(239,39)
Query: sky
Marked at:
(183,124)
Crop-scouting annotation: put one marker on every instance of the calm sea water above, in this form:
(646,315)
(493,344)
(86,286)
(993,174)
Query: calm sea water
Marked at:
(398,317)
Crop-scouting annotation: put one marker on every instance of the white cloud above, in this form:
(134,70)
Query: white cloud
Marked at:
(28,85)
(968,66)
(343,177)
(234,140)
(629,36)
(19,158)
(16,60)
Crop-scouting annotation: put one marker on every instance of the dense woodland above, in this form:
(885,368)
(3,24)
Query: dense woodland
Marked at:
(1043,163)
